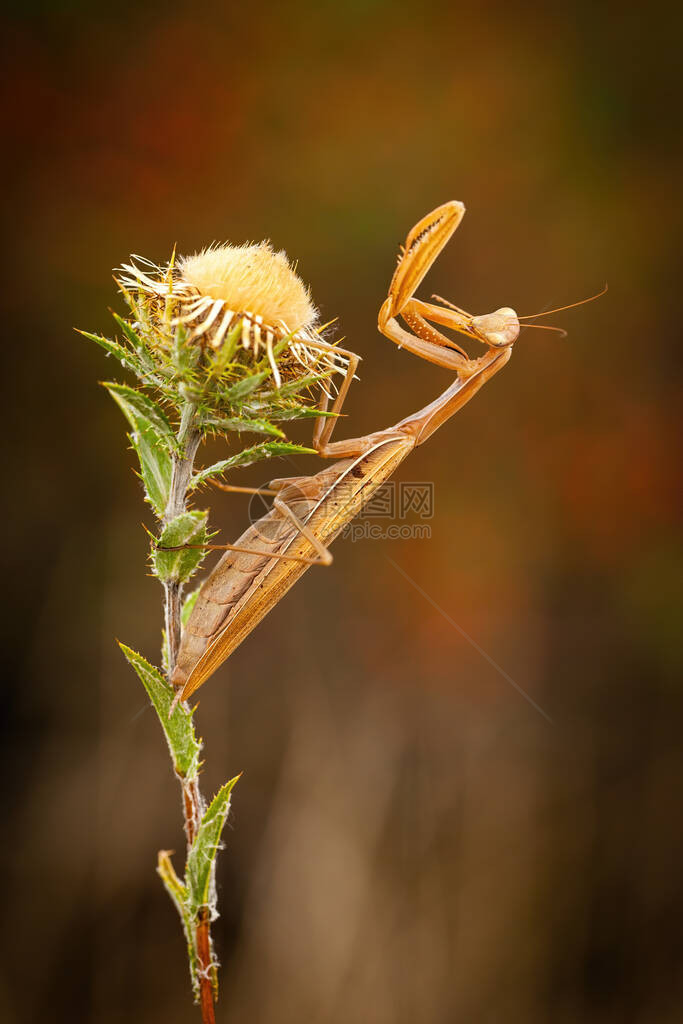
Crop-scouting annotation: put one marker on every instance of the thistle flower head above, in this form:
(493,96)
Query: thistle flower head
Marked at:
(231,331)
(248,288)
(251,277)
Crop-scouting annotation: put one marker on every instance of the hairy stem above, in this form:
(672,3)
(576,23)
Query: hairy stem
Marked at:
(193,803)
(193,808)
(172,623)
(206,968)
(183,461)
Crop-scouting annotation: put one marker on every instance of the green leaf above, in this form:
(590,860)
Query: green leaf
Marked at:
(239,424)
(144,405)
(151,360)
(185,357)
(279,348)
(129,360)
(133,338)
(178,566)
(300,412)
(188,606)
(178,893)
(294,386)
(152,451)
(175,887)
(140,347)
(201,859)
(220,360)
(267,450)
(179,728)
(240,390)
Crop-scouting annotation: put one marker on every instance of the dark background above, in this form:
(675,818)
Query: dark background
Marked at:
(411,840)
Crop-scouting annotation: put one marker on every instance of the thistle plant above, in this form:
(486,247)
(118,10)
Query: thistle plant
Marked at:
(223,344)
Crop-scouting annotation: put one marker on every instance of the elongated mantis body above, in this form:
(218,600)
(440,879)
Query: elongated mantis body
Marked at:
(309,512)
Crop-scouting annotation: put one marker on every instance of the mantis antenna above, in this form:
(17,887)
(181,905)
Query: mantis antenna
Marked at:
(544,327)
(581,302)
(529,316)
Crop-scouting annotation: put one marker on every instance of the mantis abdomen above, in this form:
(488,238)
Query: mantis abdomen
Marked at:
(242,588)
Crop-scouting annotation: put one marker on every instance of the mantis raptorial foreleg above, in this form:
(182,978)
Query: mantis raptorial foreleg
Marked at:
(426,342)
(423,244)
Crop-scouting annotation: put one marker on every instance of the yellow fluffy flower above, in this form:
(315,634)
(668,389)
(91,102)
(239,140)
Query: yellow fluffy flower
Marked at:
(254,286)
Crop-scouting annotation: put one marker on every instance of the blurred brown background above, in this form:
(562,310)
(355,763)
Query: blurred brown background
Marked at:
(411,841)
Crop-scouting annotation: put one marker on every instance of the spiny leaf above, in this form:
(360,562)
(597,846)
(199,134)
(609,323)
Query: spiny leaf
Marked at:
(178,566)
(201,858)
(225,353)
(242,424)
(133,338)
(152,451)
(267,450)
(178,893)
(184,357)
(293,387)
(299,412)
(179,728)
(236,392)
(147,408)
(129,360)
(140,349)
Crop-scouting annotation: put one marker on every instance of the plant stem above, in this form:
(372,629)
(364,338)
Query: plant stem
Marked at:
(183,461)
(206,992)
(193,803)
(172,623)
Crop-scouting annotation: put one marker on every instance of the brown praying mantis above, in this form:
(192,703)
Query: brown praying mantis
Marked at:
(308,512)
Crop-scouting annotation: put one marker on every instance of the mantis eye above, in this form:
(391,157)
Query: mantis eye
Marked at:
(498,329)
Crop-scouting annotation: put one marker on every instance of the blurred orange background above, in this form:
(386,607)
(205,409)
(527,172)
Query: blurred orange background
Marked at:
(411,840)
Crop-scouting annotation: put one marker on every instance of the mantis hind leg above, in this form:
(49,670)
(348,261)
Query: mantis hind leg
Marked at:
(302,487)
(324,553)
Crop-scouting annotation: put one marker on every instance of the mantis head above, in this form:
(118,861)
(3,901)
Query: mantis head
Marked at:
(499,329)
